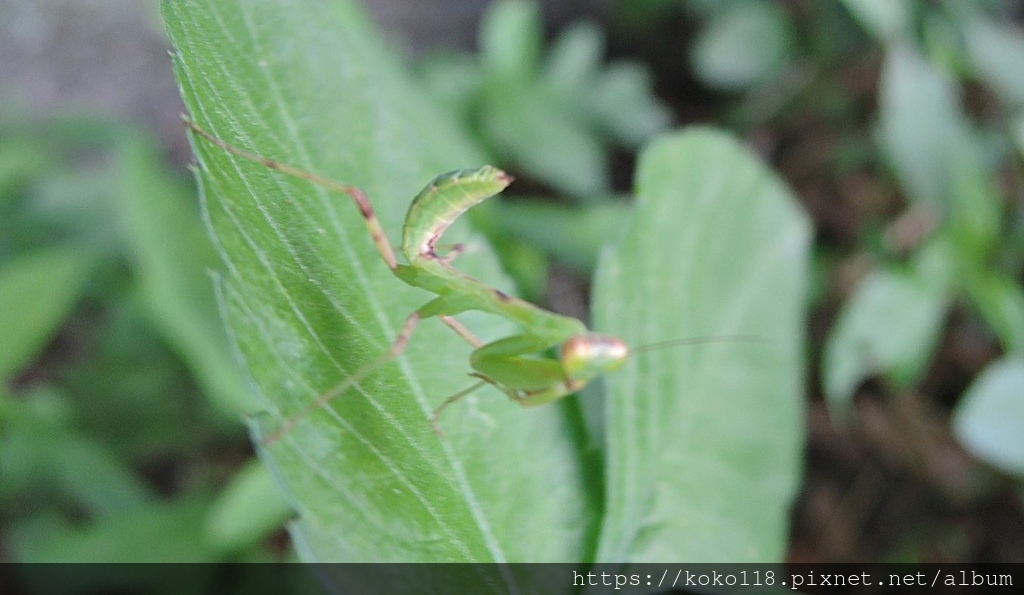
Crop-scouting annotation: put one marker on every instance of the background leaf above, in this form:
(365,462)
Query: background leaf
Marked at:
(573,235)
(704,440)
(743,44)
(990,418)
(890,324)
(249,508)
(885,19)
(158,532)
(37,291)
(997,54)
(310,301)
(174,258)
(920,125)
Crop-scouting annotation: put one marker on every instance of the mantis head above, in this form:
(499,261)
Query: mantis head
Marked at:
(587,355)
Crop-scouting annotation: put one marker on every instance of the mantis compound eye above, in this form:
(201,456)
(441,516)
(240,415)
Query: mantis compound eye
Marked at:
(590,354)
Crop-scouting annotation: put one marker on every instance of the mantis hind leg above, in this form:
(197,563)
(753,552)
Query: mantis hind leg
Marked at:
(436,415)
(396,349)
(380,239)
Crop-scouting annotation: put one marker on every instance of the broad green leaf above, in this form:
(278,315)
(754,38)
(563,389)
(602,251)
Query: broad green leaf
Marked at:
(742,44)
(37,291)
(920,125)
(704,441)
(890,324)
(887,20)
(990,417)
(309,301)
(174,256)
(250,507)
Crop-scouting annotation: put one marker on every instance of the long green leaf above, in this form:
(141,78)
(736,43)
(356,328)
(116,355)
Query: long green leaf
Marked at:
(704,440)
(309,301)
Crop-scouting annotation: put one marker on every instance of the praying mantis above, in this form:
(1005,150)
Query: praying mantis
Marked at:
(522,365)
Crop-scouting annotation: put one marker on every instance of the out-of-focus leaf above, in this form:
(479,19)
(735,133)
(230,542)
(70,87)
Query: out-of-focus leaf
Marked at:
(37,291)
(250,508)
(94,475)
(1001,301)
(887,20)
(555,146)
(574,59)
(997,54)
(743,44)
(1018,133)
(704,441)
(890,324)
(941,42)
(41,448)
(550,122)
(19,161)
(974,203)
(525,263)
(159,532)
(174,257)
(511,39)
(989,420)
(142,408)
(309,302)
(454,80)
(31,420)
(920,126)
(625,105)
(573,235)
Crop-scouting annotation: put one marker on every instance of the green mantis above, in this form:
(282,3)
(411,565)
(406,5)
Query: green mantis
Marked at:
(521,365)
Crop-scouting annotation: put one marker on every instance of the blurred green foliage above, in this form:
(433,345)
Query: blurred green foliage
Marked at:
(556,115)
(949,161)
(553,115)
(120,433)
